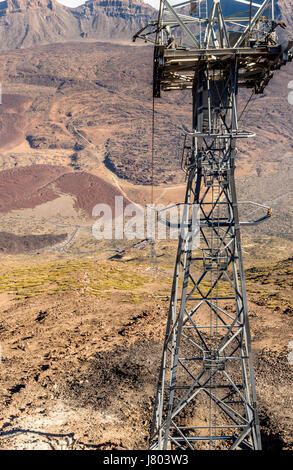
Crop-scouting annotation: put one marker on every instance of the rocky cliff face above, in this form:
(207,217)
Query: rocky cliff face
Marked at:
(17,6)
(112,18)
(24,23)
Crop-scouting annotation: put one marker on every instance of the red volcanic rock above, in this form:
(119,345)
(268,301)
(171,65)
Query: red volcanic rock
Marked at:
(28,187)
(31,186)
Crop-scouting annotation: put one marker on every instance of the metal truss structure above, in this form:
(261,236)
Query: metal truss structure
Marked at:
(206,395)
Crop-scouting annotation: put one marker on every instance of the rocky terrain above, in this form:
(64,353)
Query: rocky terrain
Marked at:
(74,376)
(82,321)
(13,244)
(95,119)
(27,23)
(285,12)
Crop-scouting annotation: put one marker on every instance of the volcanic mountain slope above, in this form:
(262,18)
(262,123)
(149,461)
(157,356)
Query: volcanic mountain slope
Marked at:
(95,119)
(12,121)
(110,19)
(26,23)
(101,111)
(23,24)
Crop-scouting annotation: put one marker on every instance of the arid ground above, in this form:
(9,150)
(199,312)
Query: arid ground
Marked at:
(81,344)
(81,334)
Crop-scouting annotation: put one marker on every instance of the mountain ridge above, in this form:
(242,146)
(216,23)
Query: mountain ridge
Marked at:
(24,24)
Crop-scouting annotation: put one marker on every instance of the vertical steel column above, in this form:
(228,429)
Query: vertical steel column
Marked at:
(206,391)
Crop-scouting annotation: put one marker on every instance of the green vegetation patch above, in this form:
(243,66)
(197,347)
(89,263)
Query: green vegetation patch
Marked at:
(86,275)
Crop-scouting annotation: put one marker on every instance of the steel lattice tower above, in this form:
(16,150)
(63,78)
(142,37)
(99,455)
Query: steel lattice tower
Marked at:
(206,395)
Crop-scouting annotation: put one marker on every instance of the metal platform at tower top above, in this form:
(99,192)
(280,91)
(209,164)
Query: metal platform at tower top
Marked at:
(183,41)
(206,395)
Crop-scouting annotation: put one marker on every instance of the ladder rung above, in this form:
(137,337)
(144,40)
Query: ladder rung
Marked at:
(208,298)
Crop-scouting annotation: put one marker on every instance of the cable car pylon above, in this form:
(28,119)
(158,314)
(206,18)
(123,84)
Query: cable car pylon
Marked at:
(206,397)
